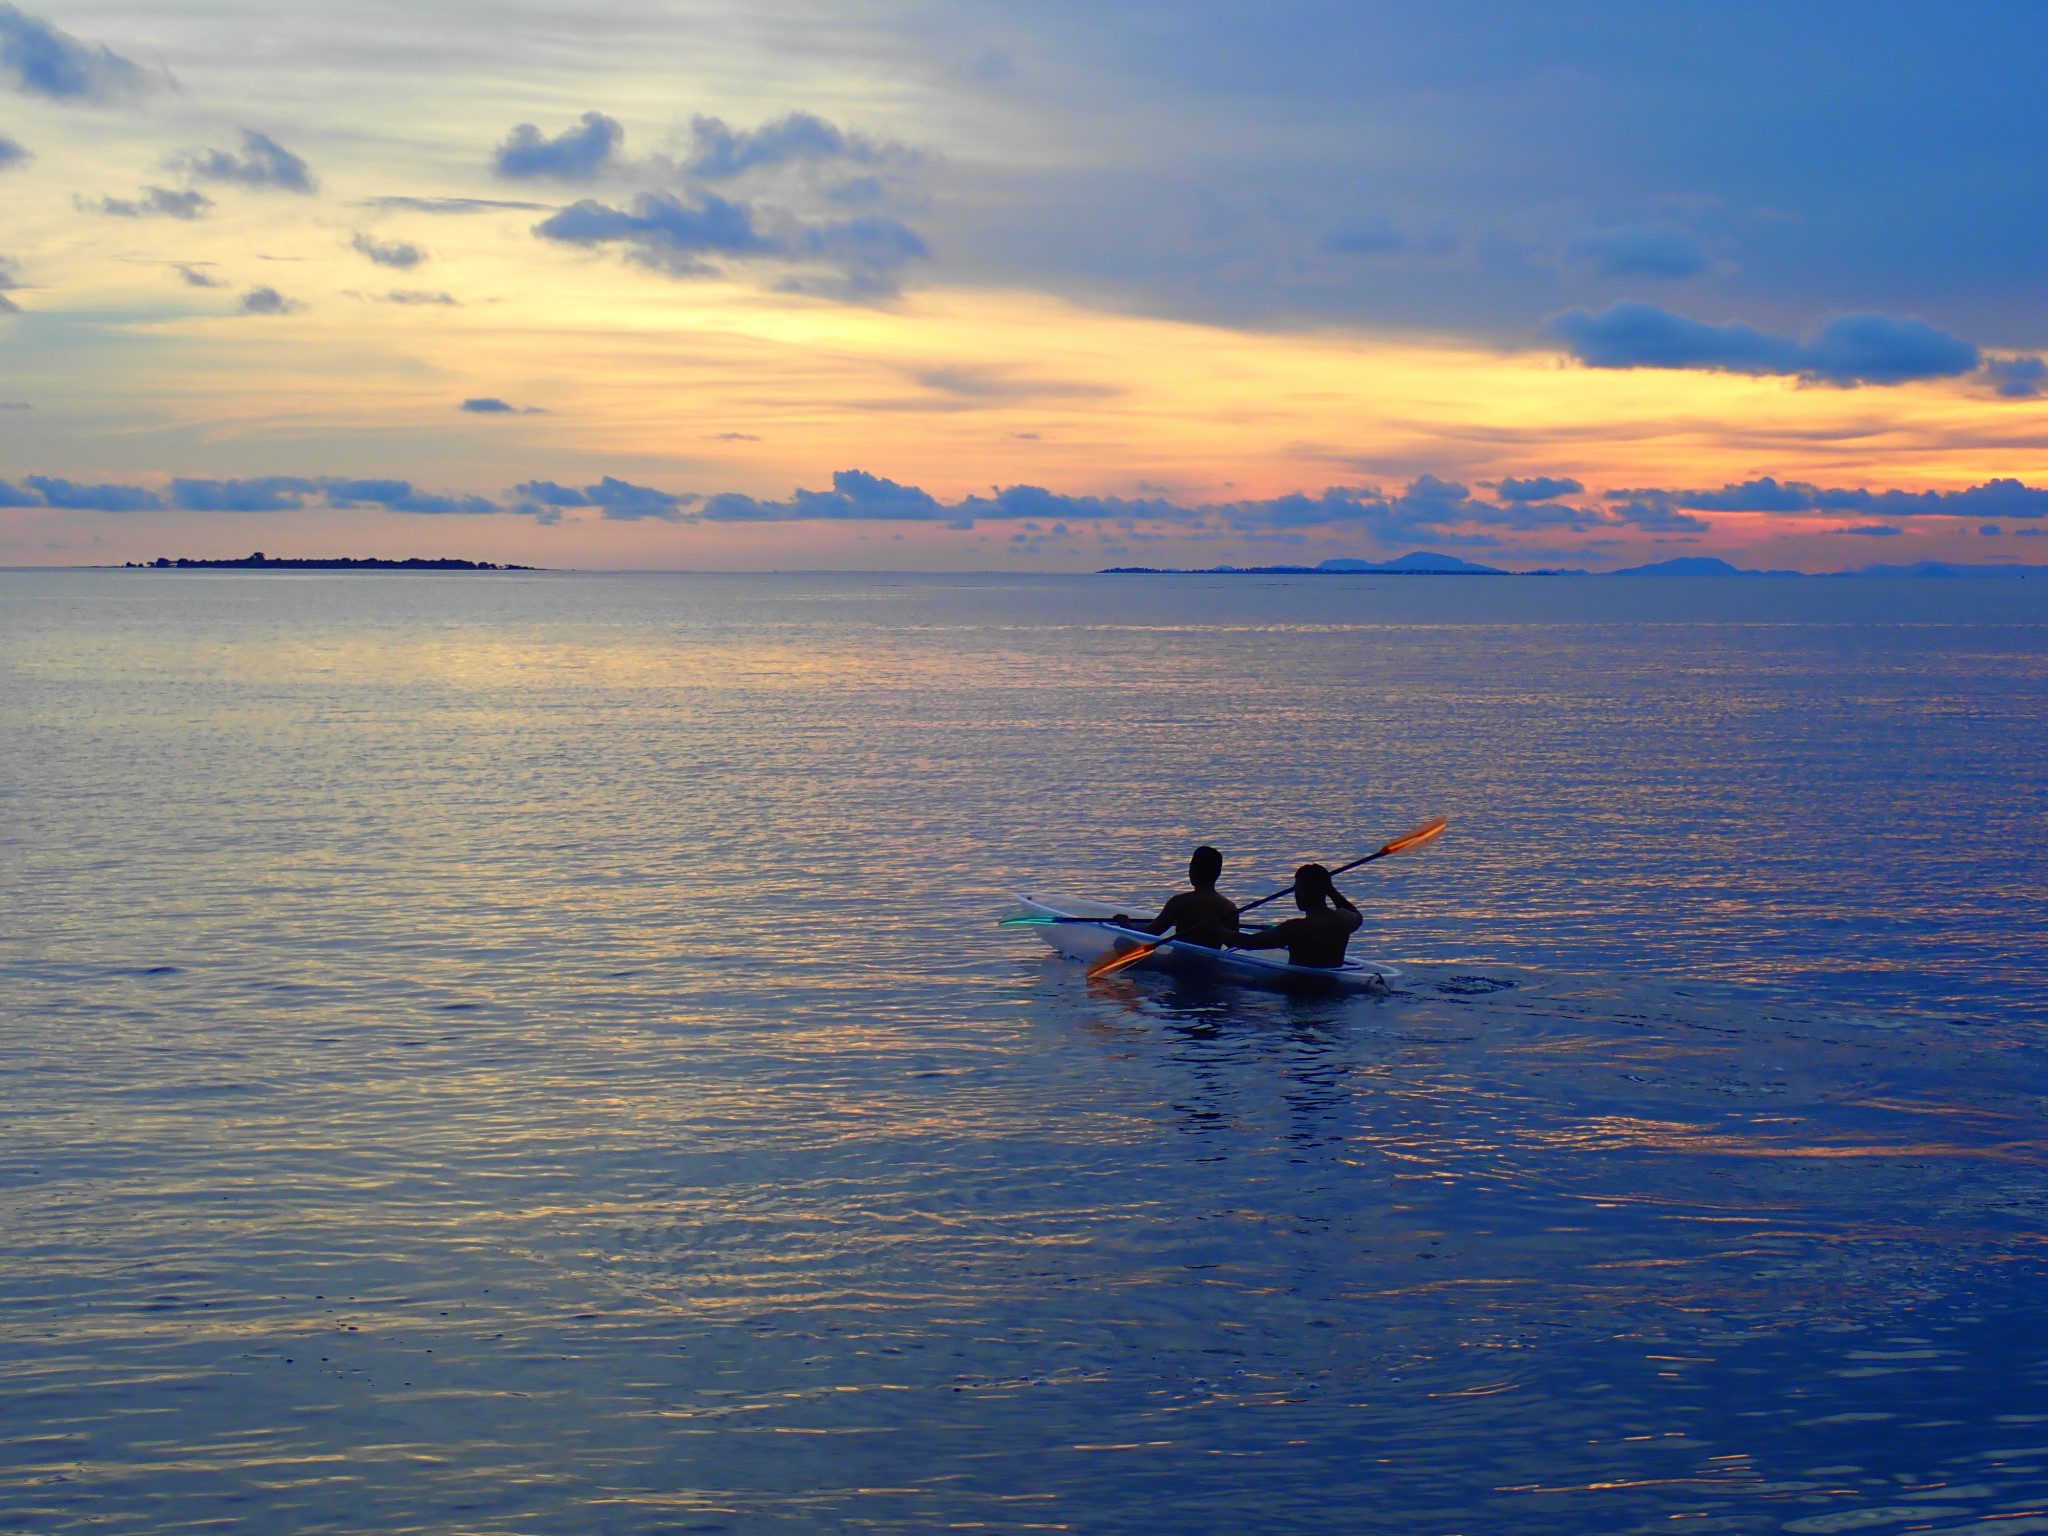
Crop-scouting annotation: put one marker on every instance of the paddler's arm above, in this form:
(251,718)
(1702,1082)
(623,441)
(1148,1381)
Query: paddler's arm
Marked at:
(1271,938)
(1157,924)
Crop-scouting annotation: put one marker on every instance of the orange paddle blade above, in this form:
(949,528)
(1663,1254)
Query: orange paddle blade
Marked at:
(1115,961)
(1427,832)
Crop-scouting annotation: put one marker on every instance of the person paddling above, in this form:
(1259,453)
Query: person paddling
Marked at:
(1317,937)
(1200,916)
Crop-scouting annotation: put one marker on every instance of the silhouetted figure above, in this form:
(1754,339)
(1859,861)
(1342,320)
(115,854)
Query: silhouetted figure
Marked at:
(1199,916)
(1319,935)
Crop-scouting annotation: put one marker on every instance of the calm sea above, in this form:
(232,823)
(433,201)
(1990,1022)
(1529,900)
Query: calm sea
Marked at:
(533,1054)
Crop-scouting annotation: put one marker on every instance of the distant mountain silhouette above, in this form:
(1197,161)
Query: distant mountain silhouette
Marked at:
(1430,563)
(1420,563)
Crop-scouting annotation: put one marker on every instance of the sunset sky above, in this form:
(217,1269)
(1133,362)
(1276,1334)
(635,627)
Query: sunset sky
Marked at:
(937,284)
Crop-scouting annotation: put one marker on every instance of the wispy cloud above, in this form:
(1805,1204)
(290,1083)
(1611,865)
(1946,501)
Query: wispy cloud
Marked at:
(152,203)
(449,205)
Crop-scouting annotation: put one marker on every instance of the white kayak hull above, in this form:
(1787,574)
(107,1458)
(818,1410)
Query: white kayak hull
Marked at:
(1089,940)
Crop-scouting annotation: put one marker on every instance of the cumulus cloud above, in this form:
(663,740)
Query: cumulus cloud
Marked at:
(1994,498)
(689,238)
(1848,351)
(1537,488)
(268,301)
(719,152)
(662,231)
(491,405)
(2017,378)
(53,492)
(12,154)
(421,296)
(38,59)
(196,275)
(618,501)
(1641,250)
(263,163)
(395,253)
(574,154)
(1654,512)
(270,493)
(152,203)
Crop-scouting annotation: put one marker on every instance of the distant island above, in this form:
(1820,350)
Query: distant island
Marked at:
(262,562)
(1429,563)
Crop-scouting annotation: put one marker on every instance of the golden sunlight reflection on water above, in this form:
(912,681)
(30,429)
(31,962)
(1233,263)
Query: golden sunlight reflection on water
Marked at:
(536,1055)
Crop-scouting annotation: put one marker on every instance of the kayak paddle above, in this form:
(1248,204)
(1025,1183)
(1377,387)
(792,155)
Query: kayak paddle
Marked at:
(1428,832)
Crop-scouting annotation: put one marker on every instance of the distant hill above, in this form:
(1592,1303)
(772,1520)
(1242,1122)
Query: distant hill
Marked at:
(1420,563)
(1694,565)
(1709,565)
(1949,568)
(1430,563)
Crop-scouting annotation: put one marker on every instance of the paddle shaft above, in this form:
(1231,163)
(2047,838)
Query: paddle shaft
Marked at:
(1286,890)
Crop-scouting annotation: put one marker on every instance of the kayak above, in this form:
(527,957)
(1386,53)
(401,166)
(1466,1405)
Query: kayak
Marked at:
(1088,940)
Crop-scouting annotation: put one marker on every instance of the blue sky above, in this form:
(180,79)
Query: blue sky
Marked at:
(1084,283)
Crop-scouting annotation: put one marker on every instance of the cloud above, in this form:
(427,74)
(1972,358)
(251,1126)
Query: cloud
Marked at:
(38,59)
(1848,351)
(1653,512)
(1536,488)
(263,163)
(419,296)
(1872,530)
(662,231)
(12,154)
(616,500)
(9,278)
(996,385)
(270,493)
(448,204)
(719,152)
(54,492)
(268,301)
(152,203)
(1994,498)
(1641,250)
(196,275)
(2017,378)
(574,154)
(736,437)
(490,405)
(283,493)
(681,239)
(396,253)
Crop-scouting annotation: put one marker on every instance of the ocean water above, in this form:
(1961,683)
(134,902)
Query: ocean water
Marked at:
(533,1054)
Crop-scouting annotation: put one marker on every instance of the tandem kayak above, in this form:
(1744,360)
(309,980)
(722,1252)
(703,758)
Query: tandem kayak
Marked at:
(1087,940)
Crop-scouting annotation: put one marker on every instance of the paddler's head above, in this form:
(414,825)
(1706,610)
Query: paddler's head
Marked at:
(1205,868)
(1311,887)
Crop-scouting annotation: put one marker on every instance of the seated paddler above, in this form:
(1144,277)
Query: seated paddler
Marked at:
(1317,937)
(1201,915)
